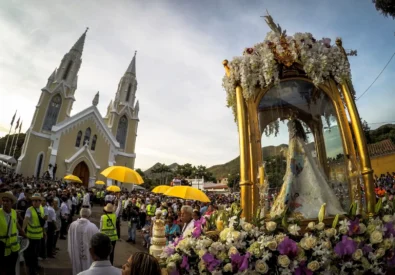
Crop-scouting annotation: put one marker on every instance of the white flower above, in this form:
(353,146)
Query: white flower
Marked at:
(228,267)
(313,266)
(388,218)
(362,228)
(320,226)
(330,232)
(311,225)
(271,226)
(376,237)
(294,229)
(283,260)
(308,242)
(247,226)
(261,267)
(357,255)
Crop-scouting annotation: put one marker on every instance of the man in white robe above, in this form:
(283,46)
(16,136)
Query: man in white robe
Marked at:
(79,237)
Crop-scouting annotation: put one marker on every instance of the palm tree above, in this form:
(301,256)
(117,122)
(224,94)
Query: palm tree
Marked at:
(163,170)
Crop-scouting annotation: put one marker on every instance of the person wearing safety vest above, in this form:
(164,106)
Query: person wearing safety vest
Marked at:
(108,224)
(9,227)
(151,208)
(33,224)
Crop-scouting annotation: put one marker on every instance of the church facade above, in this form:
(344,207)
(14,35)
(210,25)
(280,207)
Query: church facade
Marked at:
(86,143)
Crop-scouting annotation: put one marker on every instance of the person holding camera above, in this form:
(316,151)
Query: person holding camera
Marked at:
(34,223)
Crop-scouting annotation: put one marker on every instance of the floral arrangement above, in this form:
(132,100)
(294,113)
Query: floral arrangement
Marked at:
(351,245)
(259,66)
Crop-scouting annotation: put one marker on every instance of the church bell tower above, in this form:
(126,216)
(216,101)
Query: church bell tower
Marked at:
(57,96)
(123,115)
(54,106)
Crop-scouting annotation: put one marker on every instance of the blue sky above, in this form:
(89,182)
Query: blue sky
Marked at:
(180,45)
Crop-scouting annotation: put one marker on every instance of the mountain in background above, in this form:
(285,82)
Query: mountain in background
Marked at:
(333,145)
(149,172)
(233,166)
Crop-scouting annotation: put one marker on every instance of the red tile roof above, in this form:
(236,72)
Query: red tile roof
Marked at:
(381,148)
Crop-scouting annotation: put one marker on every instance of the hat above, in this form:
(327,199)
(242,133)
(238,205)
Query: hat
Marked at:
(8,195)
(36,196)
(109,208)
(158,212)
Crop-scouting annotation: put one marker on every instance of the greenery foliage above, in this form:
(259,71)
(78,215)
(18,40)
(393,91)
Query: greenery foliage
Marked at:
(21,140)
(385,7)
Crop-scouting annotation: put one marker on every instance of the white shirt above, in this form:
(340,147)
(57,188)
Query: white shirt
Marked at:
(64,209)
(188,227)
(101,268)
(21,196)
(46,214)
(51,214)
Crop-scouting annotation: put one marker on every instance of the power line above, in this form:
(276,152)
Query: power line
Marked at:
(389,61)
(381,122)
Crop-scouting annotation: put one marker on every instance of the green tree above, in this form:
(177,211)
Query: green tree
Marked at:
(385,7)
(19,144)
(164,172)
(233,181)
(185,170)
(275,170)
(201,171)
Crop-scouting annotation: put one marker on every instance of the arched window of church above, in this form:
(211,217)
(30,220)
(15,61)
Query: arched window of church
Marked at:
(128,92)
(67,71)
(87,136)
(122,131)
(78,140)
(93,146)
(52,112)
(39,165)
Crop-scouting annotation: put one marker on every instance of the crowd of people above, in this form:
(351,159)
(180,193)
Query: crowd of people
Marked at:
(44,211)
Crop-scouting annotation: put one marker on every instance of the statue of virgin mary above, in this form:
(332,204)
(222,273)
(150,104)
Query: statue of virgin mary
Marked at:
(305,188)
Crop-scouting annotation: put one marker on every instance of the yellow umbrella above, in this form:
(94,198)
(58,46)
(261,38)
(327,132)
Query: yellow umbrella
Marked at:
(122,174)
(161,189)
(114,188)
(188,193)
(100,182)
(72,178)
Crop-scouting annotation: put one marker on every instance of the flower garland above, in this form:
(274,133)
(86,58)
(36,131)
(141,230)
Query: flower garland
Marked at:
(259,66)
(353,245)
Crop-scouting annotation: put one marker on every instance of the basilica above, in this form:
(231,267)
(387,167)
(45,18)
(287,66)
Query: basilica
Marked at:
(85,143)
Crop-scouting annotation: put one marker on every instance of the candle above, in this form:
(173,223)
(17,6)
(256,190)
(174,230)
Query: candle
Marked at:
(261,175)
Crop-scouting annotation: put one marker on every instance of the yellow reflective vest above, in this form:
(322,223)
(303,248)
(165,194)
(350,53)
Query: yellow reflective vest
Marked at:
(10,240)
(151,210)
(34,229)
(108,226)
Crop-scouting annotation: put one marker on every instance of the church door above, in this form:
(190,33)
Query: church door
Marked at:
(82,171)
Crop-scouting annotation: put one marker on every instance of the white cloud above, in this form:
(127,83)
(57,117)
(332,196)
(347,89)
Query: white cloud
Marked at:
(180,47)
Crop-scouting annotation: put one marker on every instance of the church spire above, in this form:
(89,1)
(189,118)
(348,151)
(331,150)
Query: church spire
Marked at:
(70,64)
(132,66)
(79,45)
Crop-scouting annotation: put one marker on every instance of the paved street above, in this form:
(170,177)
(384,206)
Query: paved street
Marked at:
(62,265)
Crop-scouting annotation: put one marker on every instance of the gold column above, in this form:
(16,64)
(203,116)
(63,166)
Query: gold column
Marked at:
(366,168)
(349,150)
(261,175)
(320,146)
(245,182)
(255,156)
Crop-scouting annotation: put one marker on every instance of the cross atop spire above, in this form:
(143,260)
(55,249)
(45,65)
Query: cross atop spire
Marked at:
(132,67)
(79,45)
